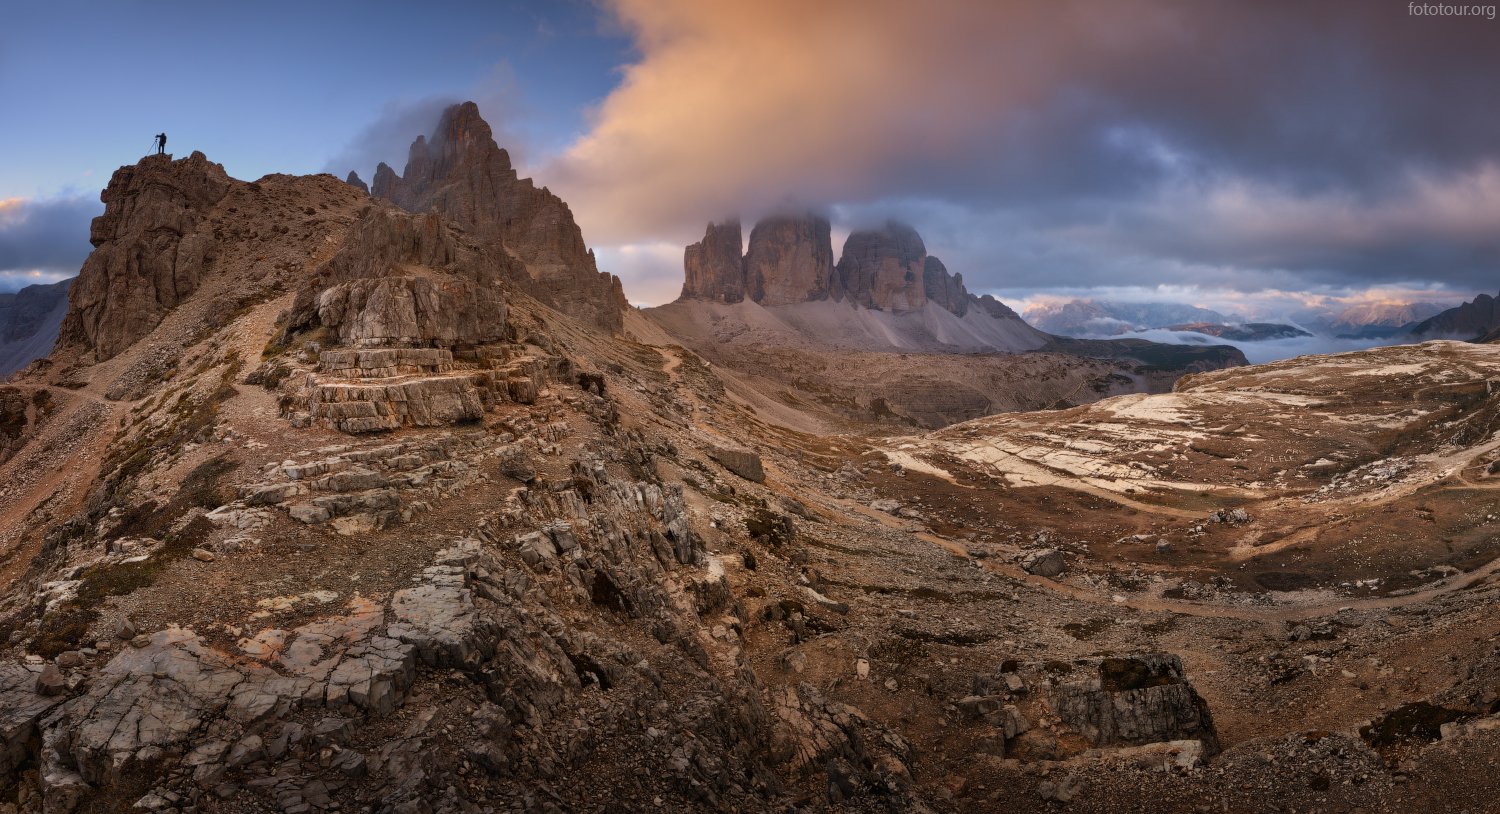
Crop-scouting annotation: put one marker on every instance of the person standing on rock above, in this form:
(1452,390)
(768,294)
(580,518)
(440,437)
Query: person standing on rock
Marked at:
(161,143)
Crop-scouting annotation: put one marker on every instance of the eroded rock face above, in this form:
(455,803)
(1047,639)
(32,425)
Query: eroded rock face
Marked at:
(464,175)
(884,268)
(371,302)
(355,181)
(945,289)
(150,251)
(790,260)
(715,266)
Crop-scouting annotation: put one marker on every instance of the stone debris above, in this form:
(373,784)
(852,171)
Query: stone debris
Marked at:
(1046,562)
(741,462)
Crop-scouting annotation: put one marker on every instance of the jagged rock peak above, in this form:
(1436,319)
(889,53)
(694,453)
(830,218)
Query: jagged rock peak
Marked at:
(355,181)
(715,266)
(149,254)
(461,173)
(945,289)
(790,260)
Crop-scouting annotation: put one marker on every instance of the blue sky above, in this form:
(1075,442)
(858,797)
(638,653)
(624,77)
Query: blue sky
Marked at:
(274,86)
(1250,156)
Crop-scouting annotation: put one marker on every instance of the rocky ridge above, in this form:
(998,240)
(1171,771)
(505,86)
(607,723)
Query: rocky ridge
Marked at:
(1474,320)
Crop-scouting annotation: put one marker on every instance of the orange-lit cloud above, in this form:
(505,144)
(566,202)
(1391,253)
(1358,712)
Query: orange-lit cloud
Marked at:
(740,106)
(1240,146)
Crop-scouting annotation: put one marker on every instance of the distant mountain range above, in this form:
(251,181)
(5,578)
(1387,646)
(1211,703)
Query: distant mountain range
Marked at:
(1081,317)
(1475,320)
(1372,320)
(1246,332)
(29,322)
(1382,315)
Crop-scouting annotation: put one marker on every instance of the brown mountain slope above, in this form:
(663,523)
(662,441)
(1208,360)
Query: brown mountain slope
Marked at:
(384,531)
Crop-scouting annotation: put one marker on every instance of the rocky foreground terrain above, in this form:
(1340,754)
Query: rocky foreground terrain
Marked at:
(351,510)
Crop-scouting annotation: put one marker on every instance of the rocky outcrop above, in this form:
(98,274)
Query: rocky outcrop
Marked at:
(464,175)
(790,260)
(947,290)
(418,323)
(993,307)
(1093,703)
(884,268)
(401,279)
(29,323)
(347,707)
(150,252)
(1134,700)
(355,181)
(715,265)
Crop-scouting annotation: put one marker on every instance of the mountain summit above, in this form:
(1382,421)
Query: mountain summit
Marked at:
(461,173)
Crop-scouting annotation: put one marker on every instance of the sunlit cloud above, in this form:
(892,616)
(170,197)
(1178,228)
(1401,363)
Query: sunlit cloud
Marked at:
(1033,144)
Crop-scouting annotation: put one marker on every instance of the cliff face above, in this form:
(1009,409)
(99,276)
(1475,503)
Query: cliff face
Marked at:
(149,250)
(790,260)
(714,266)
(403,280)
(464,175)
(884,268)
(945,289)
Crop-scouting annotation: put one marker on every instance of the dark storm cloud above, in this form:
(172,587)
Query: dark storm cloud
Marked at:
(1242,145)
(50,236)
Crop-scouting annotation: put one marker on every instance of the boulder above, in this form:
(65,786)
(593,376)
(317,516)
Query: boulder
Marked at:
(22,705)
(1046,562)
(1144,698)
(741,462)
